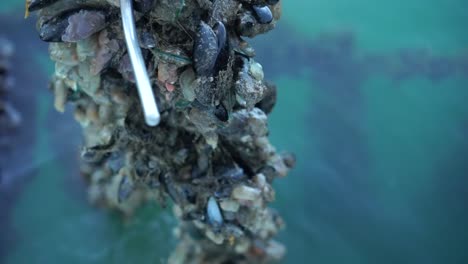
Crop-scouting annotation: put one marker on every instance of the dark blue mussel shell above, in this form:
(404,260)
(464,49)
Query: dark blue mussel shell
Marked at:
(143,6)
(205,50)
(223,47)
(83,22)
(39,4)
(263,14)
(210,51)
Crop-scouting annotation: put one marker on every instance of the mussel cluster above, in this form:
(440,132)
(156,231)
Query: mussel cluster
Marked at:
(210,153)
(9,116)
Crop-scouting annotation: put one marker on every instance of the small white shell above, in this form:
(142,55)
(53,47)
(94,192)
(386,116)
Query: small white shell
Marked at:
(230,206)
(260,180)
(216,238)
(256,70)
(246,193)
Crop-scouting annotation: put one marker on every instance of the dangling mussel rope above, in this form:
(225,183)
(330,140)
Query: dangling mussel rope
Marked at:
(210,152)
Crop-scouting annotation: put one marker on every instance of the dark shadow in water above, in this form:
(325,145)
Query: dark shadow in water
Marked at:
(449,192)
(20,162)
(335,57)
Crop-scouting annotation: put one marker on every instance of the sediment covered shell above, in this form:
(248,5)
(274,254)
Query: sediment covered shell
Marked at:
(249,89)
(74,25)
(269,99)
(187,84)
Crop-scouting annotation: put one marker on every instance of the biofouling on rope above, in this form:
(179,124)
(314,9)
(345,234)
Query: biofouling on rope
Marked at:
(210,152)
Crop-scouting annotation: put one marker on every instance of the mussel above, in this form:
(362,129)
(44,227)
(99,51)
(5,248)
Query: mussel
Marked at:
(34,5)
(210,51)
(75,24)
(263,14)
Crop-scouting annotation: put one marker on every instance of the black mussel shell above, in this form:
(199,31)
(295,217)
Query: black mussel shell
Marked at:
(211,49)
(190,194)
(147,39)
(263,14)
(205,50)
(143,6)
(223,47)
(74,25)
(234,174)
(220,31)
(39,4)
(221,113)
(52,29)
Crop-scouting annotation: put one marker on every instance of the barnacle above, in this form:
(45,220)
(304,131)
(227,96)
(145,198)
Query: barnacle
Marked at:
(210,152)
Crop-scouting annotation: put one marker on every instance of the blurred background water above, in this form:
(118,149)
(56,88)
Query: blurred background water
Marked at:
(372,99)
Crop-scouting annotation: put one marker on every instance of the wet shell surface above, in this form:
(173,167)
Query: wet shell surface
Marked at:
(263,14)
(73,25)
(205,50)
(213,212)
(34,5)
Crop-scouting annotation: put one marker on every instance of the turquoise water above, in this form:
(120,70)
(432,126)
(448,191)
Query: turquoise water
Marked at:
(372,101)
